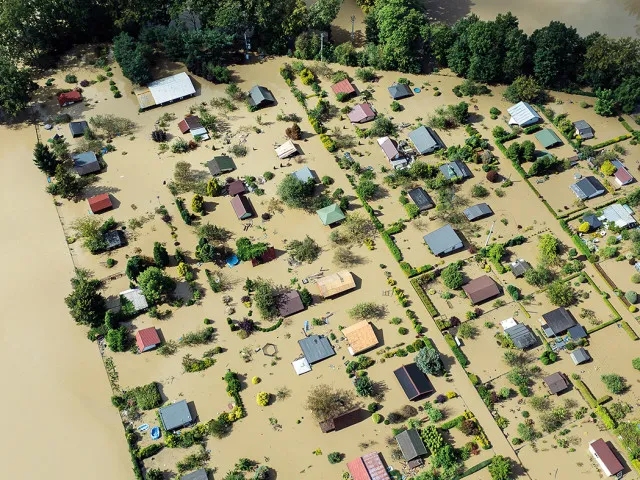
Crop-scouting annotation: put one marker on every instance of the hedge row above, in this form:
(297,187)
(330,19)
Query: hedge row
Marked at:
(629,331)
(426,301)
(271,328)
(603,325)
(532,129)
(457,352)
(604,399)
(606,417)
(626,126)
(585,392)
(453,423)
(474,469)
(391,245)
(612,141)
(635,463)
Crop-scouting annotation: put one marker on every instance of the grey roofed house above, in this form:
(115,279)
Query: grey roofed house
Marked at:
(583,129)
(521,336)
(176,415)
(316,348)
(523,114)
(620,215)
(425,140)
(476,212)
(221,164)
(78,128)
(114,239)
(411,445)
(136,297)
(399,91)
(260,96)
(421,198)
(85,163)
(520,267)
(413,381)
(559,320)
(577,332)
(200,474)
(455,170)
(579,356)
(592,220)
(588,187)
(556,383)
(305,174)
(443,240)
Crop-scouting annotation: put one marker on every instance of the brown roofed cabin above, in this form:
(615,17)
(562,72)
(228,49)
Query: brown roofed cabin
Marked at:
(344,420)
(266,257)
(343,87)
(236,188)
(481,289)
(290,303)
(335,284)
(556,383)
(242,206)
(100,203)
(605,457)
(360,337)
(69,98)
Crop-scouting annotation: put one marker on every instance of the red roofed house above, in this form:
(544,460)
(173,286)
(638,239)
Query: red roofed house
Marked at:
(605,457)
(267,256)
(623,177)
(100,203)
(344,87)
(188,123)
(361,113)
(147,338)
(368,467)
(69,98)
(236,188)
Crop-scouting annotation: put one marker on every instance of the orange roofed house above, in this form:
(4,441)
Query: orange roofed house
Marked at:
(69,98)
(361,337)
(368,467)
(100,203)
(336,283)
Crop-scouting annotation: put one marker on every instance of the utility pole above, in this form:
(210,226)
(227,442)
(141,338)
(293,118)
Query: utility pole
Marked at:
(353,21)
(321,44)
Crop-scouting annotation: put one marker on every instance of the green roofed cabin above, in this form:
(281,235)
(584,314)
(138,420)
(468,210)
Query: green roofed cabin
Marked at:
(220,165)
(548,138)
(331,215)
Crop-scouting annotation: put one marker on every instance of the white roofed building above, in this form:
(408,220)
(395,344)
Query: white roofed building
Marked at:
(166,90)
(523,114)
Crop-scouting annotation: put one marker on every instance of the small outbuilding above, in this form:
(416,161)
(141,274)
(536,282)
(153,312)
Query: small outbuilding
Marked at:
(147,339)
(78,128)
(343,420)
(557,322)
(389,148)
(176,415)
(519,267)
(556,383)
(605,457)
(443,241)
(523,115)
(305,174)
(287,149)
(360,337)
(136,298)
(114,239)
(398,91)
(580,356)
(411,445)
(260,97)
(85,163)
(316,348)
(331,216)
(100,203)
(221,164)
(521,336)
(588,187)
(548,138)
(478,212)
(368,467)
(456,170)
(421,198)
(622,175)
(200,474)
(335,284)
(268,255)
(593,221)
(361,113)
(69,98)
(425,140)
(290,303)
(242,206)
(236,187)
(344,87)
(193,125)
(415,384)
(583,129)
(481,289)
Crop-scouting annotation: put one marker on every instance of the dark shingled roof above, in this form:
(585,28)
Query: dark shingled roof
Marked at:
(290,303)
(411,445)
(316,348)
(588,187)
(344,420)
(476,212)
(455,170)
(519,267)
(592,220)
(443,240)
(559,320)
(399,91)
(556,383)
(577,332)
(414,383)
(236,187)
(521,336)
(78,128)
(259,96)
(200,474)
(421,198)
(176,415)
(114,239)
(606,456)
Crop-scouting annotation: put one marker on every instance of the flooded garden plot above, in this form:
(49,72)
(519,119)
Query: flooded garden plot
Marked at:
(621,273)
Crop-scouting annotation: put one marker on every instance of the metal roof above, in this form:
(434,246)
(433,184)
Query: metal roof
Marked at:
(443,240)
(361,113)
(331,214)
(523,114)
(85,163)
(236,187)
(259,95)
(169,89)
(176,415)
(619,215)
(521,336)
(580,355)
(316,348)
(413,381)
(454,170)
(287,149)
(588,187)
(78,128)
(221,164)
(304,174)
(421,198)
(476,212)
(147,337)
(425,140)
(389,147)
(343,86)
(399,91)
(519,267)
(411,445)
(548,138)
(559,320)
(136,297)
(242,206)
(605,457)
(200,474)
(100,203)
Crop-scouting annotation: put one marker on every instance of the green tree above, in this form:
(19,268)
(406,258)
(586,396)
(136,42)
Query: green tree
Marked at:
(429,362)
(155,284)
(606,103)
(197,203)
(322,13)
(86,304)
(525,89)
(538,277)
(608,62)
(45,159)
(548,249)
(627,95)
(213,233)
(364,386)
(561,294)
(213,187)
(298,194)
(557,54)
(441,38)
(500,468)
(247,251)
(452,276)
(133,58)
(67,184)
(367,189)
(160,255)
(118,339)
(135,266)
(265,298)
(15,87)
(528,151)
(345,54)
(306,250)
(614,383)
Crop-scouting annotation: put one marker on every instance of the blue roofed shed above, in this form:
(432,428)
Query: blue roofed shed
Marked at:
(85,163)
(305,174)
(176,415)
(316,348)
